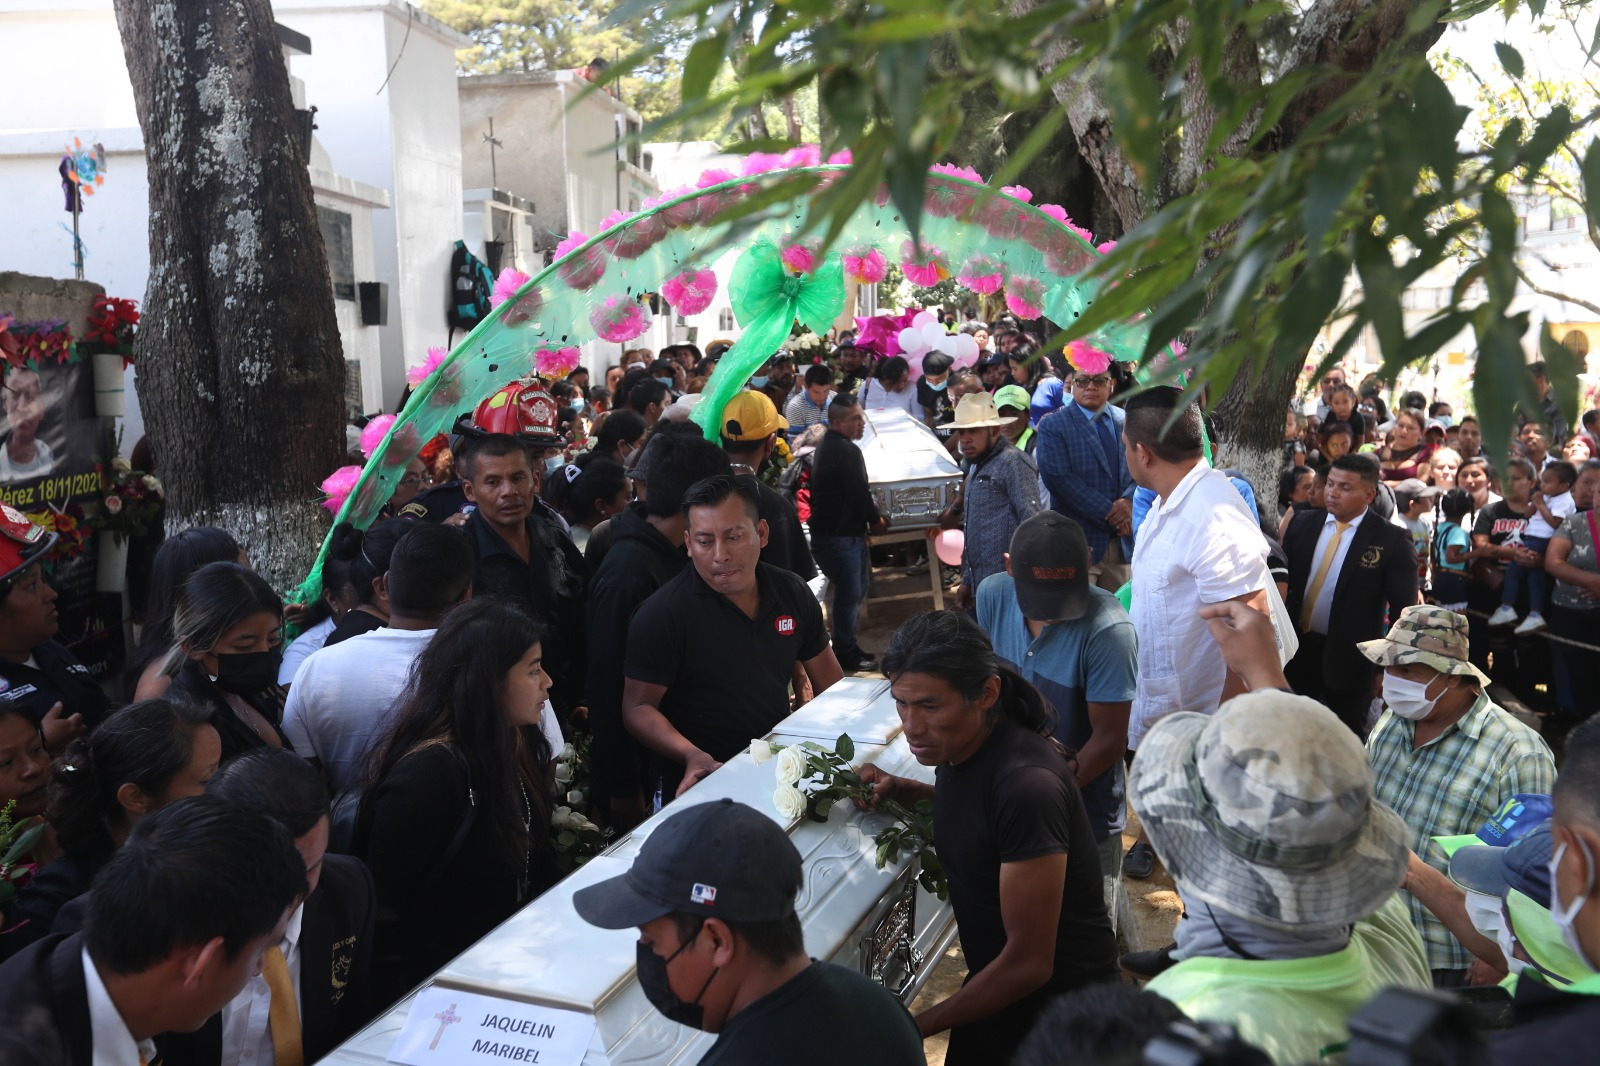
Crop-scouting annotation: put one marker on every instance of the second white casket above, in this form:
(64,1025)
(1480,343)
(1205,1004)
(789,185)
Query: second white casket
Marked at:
(854,914)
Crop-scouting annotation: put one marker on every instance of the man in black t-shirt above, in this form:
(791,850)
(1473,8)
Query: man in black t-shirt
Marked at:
(722,950)
(710,654)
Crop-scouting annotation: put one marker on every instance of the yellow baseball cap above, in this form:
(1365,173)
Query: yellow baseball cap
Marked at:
(751,416)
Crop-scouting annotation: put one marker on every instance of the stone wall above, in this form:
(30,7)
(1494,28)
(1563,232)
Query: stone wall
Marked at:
(29,298)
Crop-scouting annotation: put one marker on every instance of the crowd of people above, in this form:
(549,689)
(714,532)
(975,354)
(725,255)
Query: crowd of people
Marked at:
(577,606)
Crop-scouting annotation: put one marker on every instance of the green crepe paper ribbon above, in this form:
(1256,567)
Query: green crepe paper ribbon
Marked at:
(766,299)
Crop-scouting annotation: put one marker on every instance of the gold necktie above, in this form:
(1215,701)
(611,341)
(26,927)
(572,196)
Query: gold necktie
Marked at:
(1317,582)
(283,1017)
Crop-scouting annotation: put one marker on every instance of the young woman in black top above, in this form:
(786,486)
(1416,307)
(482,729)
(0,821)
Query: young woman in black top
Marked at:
(179,556)
(455,818)
(1013,836)
(227,635)
(367,554)
(140,759)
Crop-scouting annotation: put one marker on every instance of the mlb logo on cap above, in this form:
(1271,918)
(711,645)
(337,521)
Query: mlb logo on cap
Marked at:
(706,894)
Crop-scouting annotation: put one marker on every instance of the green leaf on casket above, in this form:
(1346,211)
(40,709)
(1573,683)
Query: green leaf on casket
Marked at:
(844,747)
(566,839)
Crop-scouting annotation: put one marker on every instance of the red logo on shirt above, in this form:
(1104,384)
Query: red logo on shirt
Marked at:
(784,624)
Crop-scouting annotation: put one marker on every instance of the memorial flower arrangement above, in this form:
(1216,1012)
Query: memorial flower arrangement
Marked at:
(811,779)
(113,324)
(44,341)
(70,525)
(575,837)
(16,841)
(804,344)
(131,501)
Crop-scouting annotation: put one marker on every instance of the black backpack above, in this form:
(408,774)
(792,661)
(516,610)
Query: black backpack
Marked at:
(470,285)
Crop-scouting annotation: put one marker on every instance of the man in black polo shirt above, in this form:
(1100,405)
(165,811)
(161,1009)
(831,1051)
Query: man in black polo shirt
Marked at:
(842,514)
(525,557)
(710,655)
(750,426)
(36,673)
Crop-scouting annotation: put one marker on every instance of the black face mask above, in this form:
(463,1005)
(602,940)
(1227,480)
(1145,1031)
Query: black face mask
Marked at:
(653,980)
(247,673)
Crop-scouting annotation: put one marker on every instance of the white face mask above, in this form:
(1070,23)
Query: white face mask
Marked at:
(1406,698)
(1487,917)
(1564,916)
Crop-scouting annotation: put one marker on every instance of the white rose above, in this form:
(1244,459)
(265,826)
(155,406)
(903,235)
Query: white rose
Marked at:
(789,801)
(790,766)
(761,751)
(561,817)
(563,773)
(567,753)
(575,797)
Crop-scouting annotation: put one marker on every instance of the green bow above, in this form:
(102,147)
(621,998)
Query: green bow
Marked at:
(766,300)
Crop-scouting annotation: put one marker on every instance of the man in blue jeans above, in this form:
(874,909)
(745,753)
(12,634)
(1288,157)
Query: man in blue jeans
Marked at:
(842,514)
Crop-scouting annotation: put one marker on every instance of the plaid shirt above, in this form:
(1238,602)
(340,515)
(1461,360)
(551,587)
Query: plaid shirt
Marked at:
(1450,786)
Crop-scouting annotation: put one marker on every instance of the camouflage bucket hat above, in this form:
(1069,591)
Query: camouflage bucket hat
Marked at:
(1425,634)
(1265,810)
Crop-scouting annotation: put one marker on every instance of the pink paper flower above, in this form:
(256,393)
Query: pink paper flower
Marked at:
(1025,296)
(806,155)
(865,265)
(522,308)
(418,374)
(373,434)
(337,486)
(583,270)
(641,234)
(620,318)
(690,292)
(677,214)
(614,218)
(1055,211)
(801,256)
(556,363)
(1017,192)
(715,176)
(982,274)
(1086,358)
(1003,218)
(841,159)
(760,163)
(957,172)
(923,269)
(506,285)
(1107,248)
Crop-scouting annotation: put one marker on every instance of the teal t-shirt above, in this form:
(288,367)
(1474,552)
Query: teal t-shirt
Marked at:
(1452,533)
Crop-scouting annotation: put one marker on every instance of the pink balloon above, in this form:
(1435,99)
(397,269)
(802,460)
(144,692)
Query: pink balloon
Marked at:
(948,546)
(924,318)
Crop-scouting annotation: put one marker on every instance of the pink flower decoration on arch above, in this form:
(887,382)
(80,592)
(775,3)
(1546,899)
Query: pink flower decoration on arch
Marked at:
(806,155)
(957,172)
(841,158)
(1086,358)
(865,265)
(690,292)
(422,371)
(1018,192)
(801,256)
(1055,211)
(620,318)
(556,363)
(506,285)
(982,274)
(584,270)
(1107,248)
(715,176)
(924,269)
(373,434)
(1025,296)
(338,486)
(760,163)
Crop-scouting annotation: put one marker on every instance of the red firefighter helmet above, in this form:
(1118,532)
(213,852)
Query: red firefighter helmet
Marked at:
(21,542)
(522,409)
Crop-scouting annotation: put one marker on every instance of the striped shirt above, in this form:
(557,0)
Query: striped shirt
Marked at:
(1449,787)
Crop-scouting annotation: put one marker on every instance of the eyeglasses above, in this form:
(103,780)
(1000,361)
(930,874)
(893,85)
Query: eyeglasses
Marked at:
(411,480)
(1099,381)
(1333,381)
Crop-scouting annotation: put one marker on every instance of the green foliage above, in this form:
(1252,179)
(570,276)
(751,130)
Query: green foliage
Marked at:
(16,842)
(1274,150)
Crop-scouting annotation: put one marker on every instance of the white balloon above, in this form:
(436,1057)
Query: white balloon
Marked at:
(923,318)
(947,345)
(931,333)
(911,340)
(966,346)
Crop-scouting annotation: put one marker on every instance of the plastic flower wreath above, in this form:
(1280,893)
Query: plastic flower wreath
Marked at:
(1086,358)
(690,292)
(620,318)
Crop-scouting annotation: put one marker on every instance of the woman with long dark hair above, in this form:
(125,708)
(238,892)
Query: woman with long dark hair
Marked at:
(179,556)
(455,820)
(1014,838)
(366,553)
(225,656)
(140,759)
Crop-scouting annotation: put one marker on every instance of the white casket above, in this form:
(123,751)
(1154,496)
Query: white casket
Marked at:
(854,914)
(909,471)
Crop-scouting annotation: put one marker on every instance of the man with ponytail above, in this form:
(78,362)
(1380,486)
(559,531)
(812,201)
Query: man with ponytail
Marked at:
(1014,838)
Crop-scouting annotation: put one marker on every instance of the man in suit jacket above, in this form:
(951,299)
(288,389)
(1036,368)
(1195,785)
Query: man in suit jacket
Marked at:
(1085,470)
(1347,566)
(181,917)
(327,943)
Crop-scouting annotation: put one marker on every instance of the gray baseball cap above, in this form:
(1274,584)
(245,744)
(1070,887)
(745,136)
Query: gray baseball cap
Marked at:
(1265,810)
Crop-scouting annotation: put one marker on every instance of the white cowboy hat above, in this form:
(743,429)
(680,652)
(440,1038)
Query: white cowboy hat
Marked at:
(977,411)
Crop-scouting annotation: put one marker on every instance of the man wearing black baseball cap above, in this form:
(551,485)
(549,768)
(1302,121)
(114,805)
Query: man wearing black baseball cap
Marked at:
(721,948)
(1074,643)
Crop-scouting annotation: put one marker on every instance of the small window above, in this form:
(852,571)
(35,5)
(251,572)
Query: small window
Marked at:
(725,319)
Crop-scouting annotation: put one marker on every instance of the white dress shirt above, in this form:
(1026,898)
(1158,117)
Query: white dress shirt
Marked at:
(1199,545)
(113,1044)
(246,1036)
(873,395)
(1324,604)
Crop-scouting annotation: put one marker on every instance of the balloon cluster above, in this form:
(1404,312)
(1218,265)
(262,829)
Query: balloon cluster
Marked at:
(925,335)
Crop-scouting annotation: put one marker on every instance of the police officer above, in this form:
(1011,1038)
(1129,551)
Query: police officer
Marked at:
(36,673)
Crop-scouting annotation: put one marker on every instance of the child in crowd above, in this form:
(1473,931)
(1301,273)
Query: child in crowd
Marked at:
(1550,504)
(1452,545)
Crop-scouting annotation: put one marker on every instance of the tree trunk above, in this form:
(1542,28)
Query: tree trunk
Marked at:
(241,375)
